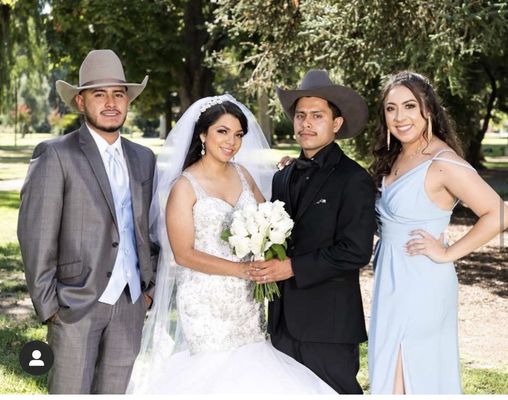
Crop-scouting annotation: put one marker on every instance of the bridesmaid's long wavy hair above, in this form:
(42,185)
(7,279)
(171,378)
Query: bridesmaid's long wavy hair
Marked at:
(442,124)
(205,120)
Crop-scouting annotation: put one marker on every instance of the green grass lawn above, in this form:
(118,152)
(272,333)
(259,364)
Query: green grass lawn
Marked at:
(9,204)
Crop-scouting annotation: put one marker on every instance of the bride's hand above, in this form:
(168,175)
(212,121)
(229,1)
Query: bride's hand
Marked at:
(243,270)
(284,162)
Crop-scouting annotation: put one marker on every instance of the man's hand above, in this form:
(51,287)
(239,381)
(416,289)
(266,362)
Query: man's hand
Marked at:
(271,271)
(53,318)
(148,300)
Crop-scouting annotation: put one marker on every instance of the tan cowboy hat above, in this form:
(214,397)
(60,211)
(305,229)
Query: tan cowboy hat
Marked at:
(100,68)
(317,83)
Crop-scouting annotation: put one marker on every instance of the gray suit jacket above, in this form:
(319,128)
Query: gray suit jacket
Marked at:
(67,224)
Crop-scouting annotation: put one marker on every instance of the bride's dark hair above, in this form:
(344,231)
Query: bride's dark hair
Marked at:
(442,124)
(205,120)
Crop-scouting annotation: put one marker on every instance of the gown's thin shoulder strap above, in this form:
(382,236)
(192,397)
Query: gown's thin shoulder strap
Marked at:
(198,190)
(461,164)
(245,184)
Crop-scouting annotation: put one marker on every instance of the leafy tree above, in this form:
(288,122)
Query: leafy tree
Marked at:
(166,39)
(22,50)
(460,45)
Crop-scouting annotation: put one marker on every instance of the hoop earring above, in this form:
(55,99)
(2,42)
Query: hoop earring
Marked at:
(203,150)
(429,129)
(388,134)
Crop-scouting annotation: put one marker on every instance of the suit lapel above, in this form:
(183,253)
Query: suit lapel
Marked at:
(286,181)
(133,163)
(89,148)
(315,185)
(319,180)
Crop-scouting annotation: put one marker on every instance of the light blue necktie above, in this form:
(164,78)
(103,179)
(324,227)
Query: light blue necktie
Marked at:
(116,175)
(119,188)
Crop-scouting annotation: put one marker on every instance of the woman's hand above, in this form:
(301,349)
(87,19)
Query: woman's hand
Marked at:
(427,245)
(244,269)
(284,162)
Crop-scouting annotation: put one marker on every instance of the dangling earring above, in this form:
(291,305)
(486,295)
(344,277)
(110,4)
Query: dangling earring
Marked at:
(429,129)
(203,151)
(388,134)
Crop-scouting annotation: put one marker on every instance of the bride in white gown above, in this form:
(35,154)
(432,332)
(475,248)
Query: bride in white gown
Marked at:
(205,333)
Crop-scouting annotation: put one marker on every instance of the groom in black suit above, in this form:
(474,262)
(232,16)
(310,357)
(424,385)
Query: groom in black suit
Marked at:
(318,320)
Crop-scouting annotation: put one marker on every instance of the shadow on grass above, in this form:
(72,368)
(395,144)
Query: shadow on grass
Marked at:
(25,149)
(13,335)
(483,269)
(10,258)
(13,287)
(9,199)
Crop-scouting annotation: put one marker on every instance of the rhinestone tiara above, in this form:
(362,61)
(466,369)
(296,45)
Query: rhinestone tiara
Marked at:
(212,102)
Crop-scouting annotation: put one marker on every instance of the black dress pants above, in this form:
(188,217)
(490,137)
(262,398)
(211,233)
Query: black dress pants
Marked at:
(335,363)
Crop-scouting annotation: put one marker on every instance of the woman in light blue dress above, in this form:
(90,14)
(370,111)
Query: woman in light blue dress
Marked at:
(421,175)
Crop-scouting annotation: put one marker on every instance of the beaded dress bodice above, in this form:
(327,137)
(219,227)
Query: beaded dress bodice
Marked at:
(217,312)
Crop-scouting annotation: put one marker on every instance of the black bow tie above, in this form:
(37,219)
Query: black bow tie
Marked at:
(303,163)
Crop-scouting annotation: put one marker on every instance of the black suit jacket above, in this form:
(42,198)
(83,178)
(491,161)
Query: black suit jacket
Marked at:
(331,240)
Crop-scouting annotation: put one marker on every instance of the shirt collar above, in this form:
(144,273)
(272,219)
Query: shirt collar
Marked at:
(102,144)
(320,157)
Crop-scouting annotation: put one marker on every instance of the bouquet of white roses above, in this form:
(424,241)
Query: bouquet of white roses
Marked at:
(260,232)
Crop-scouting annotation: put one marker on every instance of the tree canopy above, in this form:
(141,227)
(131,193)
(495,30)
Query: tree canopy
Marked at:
(194,48)
(461,46)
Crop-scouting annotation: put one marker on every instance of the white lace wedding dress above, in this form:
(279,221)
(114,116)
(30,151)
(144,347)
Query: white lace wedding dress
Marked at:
(224,328)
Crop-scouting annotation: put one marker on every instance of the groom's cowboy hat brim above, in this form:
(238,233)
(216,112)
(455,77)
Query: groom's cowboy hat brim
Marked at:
(100,68)
(316,83)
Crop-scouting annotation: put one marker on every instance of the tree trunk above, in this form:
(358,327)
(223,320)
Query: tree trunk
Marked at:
(263,116)
(163,129)
(474,153)
(5,56)
(196,78)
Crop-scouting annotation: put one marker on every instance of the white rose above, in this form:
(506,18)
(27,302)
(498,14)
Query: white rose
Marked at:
(262,222)
(279,205)
(251,226)
(241,245)
(285,225)
(256,244)
(238,227)
(265,208)
(275,216)
(249,211)
(277,237)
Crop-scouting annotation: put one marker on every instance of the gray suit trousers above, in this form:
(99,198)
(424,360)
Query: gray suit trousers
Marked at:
(96,353)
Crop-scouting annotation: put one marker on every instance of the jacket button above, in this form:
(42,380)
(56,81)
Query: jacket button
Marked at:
(115,244)
(108,274)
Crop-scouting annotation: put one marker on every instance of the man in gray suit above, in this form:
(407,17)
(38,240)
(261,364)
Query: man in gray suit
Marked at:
(83,231)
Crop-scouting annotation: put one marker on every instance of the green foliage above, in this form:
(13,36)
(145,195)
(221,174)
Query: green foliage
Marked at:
(22,54)
(143,34)
(461,46)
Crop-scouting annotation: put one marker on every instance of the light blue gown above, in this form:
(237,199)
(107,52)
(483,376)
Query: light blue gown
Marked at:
(414,304)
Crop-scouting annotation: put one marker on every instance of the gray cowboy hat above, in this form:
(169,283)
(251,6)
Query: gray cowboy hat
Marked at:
(317,83)
(100,68)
